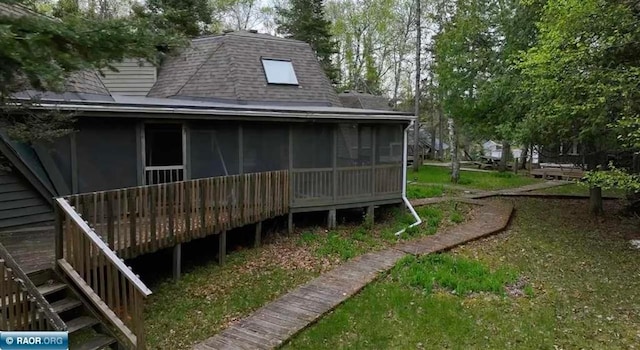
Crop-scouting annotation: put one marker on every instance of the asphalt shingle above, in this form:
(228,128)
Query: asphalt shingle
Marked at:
(228,67)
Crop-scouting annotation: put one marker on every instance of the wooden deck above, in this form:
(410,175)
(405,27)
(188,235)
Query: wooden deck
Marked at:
(141,220)
(32,249)
(278,321)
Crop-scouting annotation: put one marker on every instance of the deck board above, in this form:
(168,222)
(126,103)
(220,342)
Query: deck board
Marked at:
(33,249)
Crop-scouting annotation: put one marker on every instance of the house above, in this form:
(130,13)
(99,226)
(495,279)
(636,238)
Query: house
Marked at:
(362,100)
(493,150)
(236,129)
(424,144)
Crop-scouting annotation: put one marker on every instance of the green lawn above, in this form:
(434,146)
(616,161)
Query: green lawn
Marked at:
(209,297)
(472,179)
(415,191)
(576,189)
(556,279)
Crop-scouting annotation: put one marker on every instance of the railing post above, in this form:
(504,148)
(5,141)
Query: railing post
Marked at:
(59,227)
(170,200)
(334,165)
(373,161)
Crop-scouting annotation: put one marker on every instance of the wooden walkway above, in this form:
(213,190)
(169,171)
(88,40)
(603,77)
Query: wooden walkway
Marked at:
(469,198)
(275,323)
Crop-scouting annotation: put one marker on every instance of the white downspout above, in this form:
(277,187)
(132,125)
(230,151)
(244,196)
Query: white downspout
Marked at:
(404,183)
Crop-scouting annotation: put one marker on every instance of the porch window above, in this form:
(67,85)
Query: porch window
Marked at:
(164,153)
(389,144)
(354,145)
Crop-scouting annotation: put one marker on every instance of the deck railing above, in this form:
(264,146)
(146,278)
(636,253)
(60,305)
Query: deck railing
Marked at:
(327,186)
(22,307)
(163,174)
(140,220)
(113,289)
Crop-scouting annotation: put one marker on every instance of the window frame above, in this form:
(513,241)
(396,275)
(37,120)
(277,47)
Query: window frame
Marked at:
(266,76)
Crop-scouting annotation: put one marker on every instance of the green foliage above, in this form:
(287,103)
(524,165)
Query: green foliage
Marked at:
(40,53)
(305,20)
(375,41)
(434,175)
(336,245)
(582,75)
(460,275)
(474,50)
(190,18)
(424,191)
(456,217)
(612,178)
(308,237)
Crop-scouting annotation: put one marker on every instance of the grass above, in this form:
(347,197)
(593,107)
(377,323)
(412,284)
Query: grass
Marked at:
(349,242)
(416,191)
(459,275)
(556,279)
(576,189)
(209,297)
(472,179)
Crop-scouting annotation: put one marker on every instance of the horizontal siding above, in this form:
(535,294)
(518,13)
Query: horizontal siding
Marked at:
(21,205)
(131,78)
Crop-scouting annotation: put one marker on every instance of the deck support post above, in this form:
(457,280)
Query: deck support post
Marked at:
(331,219)
(258,239)
(290,223)
(177,261)
(369,217)
(222,247)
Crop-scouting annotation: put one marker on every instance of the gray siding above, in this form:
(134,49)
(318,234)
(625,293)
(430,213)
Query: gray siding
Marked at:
(131,79)
(20,204)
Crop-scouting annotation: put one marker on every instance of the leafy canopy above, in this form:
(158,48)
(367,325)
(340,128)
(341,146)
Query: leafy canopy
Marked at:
(305,20)
(40,52)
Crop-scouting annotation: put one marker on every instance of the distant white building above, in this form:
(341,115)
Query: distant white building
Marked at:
(494,150)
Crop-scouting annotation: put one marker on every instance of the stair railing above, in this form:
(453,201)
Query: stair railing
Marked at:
(22,306)
(113,289)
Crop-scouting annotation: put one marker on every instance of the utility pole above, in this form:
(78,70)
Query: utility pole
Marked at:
(416,125)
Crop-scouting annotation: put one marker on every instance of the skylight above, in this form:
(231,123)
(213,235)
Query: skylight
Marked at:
(279,72)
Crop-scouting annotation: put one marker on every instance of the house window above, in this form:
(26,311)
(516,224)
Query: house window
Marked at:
(279,72)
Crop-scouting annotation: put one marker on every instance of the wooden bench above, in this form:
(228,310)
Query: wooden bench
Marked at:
(559,173)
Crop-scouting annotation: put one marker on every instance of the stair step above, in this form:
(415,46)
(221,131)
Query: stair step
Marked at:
(65,304)
(97,342)
(47,289)
(81,322)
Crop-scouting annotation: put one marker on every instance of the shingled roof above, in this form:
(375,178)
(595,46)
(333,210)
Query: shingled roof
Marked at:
(364,101)
(228,68)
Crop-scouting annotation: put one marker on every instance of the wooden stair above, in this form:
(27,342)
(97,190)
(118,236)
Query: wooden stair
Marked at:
(86,331)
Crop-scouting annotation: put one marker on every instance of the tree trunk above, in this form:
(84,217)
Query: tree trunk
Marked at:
(417,160)
(531,158)
(595,200)
(453,148)
(434,153)
(441,131)
(506,156)
(523,158)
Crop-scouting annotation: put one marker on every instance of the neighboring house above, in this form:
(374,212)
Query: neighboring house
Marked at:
(424,149)
(132,77)
(237,129)
(365,101)
(493,150)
